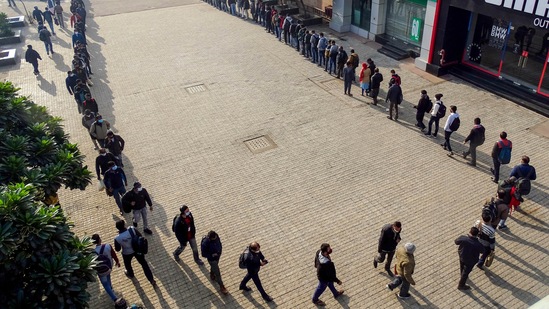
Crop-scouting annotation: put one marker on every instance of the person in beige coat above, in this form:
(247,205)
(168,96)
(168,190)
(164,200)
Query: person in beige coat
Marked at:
(404,267)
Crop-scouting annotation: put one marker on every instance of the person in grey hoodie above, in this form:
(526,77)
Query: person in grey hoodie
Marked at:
(326,274)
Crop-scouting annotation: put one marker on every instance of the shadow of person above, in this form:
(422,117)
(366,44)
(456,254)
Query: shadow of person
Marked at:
(59,63)
(143,295)
(425,303)
(535,273)
(344,300)
(525,296)
(482,304)
(47,86)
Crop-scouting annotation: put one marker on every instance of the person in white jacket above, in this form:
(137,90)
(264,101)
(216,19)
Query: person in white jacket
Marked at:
(448,131)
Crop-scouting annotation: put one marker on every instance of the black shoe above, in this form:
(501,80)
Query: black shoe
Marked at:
(390,273)
(375,263)
(492,170)
(428,133)
(268,298)
(464,154)
(464,288)
(472,164)
(135,224)
(127,275)
(502,227)
(389,287)
(405,296)
(245,288)
(389,117)
(480,267)
(148,231)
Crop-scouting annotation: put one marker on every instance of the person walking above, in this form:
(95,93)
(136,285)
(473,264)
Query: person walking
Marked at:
(394,96)
(388,241)
(105,255)
(487,238)
(115,144)
(102,162)
(70,81)
(115,184)
(124,242)
(58,11)
(449,128)
(501,154)
(10,2)
(87,120)
(437,112)
(45,36)
(99,129)
(475,139)
(423,106)
(524,173)
(348,76)
(32,56)
(138,198)
(254,261)
(377,78)
(48,17)
(502,210)
(405,264)
(90,103)
(185,232)
(37,14)
(469,248)
(212,248)
(326,273)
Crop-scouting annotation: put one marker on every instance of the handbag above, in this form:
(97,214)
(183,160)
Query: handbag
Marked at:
(490,259)
(101,185)
(56,21)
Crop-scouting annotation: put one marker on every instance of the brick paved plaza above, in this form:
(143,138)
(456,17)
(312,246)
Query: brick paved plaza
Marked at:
(339,172)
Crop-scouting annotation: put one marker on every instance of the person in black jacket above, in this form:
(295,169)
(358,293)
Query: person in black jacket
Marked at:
(394,96)
(377,78)
(423,106)
(115,144)
(476,138)
(326,274)
(468,250)
(389,239)
(32,56)
(115,183)
(102,162)
(212,248)
(185,231)
(254,261)
(138,198)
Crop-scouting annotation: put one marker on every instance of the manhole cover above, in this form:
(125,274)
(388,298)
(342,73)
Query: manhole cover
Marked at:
(260,144)
(196,88)
(333,84)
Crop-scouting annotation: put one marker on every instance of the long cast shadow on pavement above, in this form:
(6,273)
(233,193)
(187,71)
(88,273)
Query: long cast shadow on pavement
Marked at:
(536,275)
(525,296)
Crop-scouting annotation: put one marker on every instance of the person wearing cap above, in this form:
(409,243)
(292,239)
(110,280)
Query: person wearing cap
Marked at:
(87,120)
(99,129)
(326,274)
(469,249)
(394,96)
(423,106)
(124,242)
(434,116)
(138,198)
(212,248)
(388,241)
(115,184)
(32,56)
(254,261)
(448,131)
(185,232)
(405,264)
(105,277)
(37,14)
(115,144)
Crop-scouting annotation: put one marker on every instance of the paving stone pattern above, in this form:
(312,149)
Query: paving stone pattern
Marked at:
(339,172)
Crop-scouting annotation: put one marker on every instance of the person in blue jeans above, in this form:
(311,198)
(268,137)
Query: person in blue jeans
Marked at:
(254,261)
(105,275)
(326,274)
(115,183)
(48,17)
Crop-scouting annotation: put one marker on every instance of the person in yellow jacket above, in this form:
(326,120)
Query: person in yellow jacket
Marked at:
(405,264)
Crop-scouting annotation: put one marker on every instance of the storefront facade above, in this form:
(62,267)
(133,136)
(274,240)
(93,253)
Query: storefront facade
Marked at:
(508,39)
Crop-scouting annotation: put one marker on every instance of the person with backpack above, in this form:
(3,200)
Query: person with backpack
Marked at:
(185,232)
(394,96)
(212,248)
(137,200)
(487,238)
(45,36)
(253,261)
(501,154)
(475,138)
(126,241)
(500,210)
(396,78)
(326,273)
(524,173)
(423,106)
(386,246)
(437,112)
(115,184)
(469,249)
(452,124)
(105,255)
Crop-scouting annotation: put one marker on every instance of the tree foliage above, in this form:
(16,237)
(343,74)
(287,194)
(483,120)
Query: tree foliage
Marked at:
(42,263)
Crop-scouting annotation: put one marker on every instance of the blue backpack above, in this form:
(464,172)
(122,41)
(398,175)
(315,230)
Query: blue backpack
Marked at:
(504,156)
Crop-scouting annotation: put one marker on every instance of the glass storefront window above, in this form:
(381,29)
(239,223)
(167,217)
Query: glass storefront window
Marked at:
(405,20)
(514,50)
(362,11)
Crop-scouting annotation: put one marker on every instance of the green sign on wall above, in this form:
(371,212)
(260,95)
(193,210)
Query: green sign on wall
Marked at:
(415,35)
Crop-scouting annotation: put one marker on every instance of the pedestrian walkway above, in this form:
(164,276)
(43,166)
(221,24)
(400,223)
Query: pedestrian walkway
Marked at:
(188,85)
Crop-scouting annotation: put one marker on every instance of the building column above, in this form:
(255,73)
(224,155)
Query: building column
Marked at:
(378,18)
(341,15)
(428,32)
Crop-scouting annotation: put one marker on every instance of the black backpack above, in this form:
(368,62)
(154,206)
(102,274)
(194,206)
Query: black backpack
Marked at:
(523,183)
(429,106)
(139,243)
(441,110)
(126,203)
(104,266)
(243,259)
(455,124)
(490,209)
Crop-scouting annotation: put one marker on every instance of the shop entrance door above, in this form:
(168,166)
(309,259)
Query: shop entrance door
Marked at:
(455,37)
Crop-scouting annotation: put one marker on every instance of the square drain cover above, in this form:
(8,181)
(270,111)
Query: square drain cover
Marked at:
(196,88)
(260,144)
